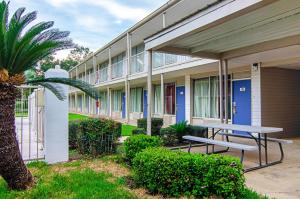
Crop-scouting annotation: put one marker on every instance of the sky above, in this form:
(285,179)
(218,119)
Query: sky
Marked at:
(92,23)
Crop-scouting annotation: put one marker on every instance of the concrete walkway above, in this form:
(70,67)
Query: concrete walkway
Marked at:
(281,181)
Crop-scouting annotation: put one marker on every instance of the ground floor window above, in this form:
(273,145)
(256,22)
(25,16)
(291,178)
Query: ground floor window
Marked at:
(136,99)
(170,99)
(206,97)
(117,101)
(103,102)
(157,99)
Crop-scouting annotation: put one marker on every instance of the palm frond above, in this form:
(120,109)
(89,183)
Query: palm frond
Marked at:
(19,50)
(83,86)
(56,89)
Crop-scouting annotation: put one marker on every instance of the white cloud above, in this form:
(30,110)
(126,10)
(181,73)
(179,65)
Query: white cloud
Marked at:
(121,11)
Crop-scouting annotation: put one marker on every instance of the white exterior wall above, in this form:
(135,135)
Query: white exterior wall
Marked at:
(188,98)
(256,95)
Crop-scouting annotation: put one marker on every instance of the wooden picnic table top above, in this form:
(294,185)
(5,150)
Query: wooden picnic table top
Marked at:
(243,128)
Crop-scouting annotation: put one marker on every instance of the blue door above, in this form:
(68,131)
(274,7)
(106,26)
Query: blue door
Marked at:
(145,106)
(180,104)
(123,105)
(241,103)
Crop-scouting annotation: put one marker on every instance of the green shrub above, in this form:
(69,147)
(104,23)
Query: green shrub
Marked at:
(156,124)
(139,131)
(137,143)
(98,136)
(181,129)
(169,136)
(73,133)
(179,173)
(197,131)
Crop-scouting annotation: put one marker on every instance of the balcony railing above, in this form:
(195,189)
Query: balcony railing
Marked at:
(163,59)
(117,69)
(103,74)
(137,63)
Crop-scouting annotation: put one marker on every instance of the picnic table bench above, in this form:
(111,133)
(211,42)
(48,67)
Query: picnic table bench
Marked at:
(257,133)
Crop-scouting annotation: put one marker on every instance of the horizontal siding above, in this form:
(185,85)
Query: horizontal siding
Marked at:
(281,100)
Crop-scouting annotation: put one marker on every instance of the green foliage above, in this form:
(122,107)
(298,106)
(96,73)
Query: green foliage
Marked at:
(80,183)
(94,136)
(73,133)
(73,116)
(181,129)
(198,131)
(22,47)
(37,164)
(178,173)
(127,130)
(250,194)
(137,143)
(138,131)
(169,136)
(156,124)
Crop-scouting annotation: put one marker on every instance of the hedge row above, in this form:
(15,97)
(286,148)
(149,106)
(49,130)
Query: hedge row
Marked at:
(178,173)
(94,136)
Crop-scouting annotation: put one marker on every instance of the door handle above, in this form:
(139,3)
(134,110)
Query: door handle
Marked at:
(234,108)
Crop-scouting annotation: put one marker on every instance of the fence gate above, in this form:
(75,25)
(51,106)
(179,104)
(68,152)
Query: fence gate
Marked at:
(29,113)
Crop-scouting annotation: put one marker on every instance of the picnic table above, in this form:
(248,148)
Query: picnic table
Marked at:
(257,133)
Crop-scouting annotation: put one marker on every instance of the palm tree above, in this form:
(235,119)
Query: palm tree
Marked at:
(20,50)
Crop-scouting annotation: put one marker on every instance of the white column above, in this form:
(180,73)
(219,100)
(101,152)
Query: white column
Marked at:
(128,54)
(256,94)
(127,101)
(221,90)
(162,90)
(109,64)
(96,75)
(76,97)
(226,91)
(56,122)
(149,84)
(188,98)
(85,110)
(109,102)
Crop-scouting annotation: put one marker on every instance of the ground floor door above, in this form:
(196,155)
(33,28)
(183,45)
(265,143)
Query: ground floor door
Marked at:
(180,104)
(123,105)
(241,102)
(145,104)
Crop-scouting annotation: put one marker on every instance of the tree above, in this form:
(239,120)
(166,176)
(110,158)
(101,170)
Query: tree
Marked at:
(76,55)
(21,48)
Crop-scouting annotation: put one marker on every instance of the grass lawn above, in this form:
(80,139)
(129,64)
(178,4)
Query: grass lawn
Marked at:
(85,178)
(127,129)
(73,116)
(78,179)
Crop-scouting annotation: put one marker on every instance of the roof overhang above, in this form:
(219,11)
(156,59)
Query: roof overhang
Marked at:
(233,28)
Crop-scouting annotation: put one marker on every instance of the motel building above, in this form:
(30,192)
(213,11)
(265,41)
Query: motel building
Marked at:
(231,61)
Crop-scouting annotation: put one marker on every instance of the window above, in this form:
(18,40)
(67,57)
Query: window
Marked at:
(170,99)
(158,59)
(206,97)
(136,99)
(103,71)
(157,99)
(117,101)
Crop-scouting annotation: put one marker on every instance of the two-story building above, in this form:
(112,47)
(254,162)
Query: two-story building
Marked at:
(233,61)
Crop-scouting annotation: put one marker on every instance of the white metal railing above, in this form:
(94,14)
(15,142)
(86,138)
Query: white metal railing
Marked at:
(103,74)
(137,63)
(164,59)
(117,69)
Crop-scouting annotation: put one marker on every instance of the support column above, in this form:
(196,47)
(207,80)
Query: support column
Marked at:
(85,110)
(162,90)
(109,99)
(76,97)
(109,64)
(127,100)
(149,85)
(188,98)
(226,91)
(96,75)
(221,91)
(128,69)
